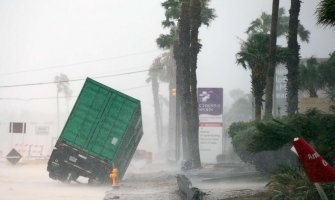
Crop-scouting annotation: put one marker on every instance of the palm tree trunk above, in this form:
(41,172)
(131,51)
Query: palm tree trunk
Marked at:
(172,138)
(272,60)
(178,120)
(293,59)
(312,92)
(194,51)
(155,91)
(258,87)
(258,107)
(184,42)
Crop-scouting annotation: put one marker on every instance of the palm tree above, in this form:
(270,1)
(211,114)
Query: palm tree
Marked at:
(309,78)
(293,59)
(153,78)
(263,25)
(272,60)
(327,71)
(326,13)
(63,86)
(254,55)
(184,44)
(178,19)
(169,61)
(163,69)
(195,23)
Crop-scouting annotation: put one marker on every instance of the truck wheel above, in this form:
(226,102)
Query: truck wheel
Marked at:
(52,175)
(94,181)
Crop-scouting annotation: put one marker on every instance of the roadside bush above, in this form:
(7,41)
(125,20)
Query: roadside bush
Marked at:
(267,144)
(319,129)
(292,183)
(266,161)
(315,127)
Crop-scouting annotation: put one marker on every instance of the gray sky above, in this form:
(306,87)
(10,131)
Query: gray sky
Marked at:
(217,64)
(90,38)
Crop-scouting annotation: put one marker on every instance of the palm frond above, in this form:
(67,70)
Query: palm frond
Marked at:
(325,13)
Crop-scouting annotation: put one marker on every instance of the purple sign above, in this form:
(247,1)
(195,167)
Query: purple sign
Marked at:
(210,101)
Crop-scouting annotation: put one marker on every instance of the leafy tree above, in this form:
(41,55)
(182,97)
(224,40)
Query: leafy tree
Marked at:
(310,78)
(236,94)
(241,110)
(327,71)
(326,13)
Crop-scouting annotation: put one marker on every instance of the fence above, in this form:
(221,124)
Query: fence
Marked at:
(30,151)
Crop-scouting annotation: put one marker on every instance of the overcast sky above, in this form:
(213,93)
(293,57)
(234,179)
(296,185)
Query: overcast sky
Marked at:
(41,39)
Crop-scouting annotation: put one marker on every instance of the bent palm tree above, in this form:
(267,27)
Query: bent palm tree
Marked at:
(285,27)
(63,86)
(263,25)
(254,55)
(153,78)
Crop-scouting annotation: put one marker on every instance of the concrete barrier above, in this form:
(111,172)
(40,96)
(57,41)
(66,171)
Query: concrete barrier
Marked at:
(189,192)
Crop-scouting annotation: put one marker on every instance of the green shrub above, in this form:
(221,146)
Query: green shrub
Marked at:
(315,127)
(292,183)
(264,161)
(319,129)
(267,144)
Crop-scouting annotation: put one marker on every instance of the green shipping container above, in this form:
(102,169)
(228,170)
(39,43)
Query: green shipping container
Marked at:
(102,132)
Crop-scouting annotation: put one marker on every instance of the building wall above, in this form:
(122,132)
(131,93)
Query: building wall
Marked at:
(37,140)
(322,104)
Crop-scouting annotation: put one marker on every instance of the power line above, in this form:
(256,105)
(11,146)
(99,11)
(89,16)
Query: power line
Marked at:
(64,97)
(78,63)
(79,79)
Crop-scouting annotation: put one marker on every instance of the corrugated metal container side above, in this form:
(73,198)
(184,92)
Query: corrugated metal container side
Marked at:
(105,124)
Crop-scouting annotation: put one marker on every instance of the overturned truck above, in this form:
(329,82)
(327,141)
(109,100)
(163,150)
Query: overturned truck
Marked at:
(101,133)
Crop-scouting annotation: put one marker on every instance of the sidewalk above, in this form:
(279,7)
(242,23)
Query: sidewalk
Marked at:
(226,182)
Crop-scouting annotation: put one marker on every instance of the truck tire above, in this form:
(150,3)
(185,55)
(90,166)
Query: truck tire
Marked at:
(94,181)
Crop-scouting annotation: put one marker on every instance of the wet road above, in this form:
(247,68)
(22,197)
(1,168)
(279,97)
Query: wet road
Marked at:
(31,182)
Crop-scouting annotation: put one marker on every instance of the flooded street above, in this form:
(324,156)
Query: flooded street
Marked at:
(31,182)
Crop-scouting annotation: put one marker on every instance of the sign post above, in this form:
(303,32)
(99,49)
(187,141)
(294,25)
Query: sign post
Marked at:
(210,102)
